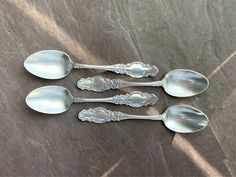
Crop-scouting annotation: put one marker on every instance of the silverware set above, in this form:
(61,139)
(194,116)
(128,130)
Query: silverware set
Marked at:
(54,64)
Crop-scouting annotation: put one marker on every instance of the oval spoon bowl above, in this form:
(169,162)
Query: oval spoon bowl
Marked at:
(50,99)
(184,119)
(184,83)
(49,64)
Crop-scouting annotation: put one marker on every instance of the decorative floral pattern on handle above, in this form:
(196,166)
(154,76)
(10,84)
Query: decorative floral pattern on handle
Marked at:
(98,83)
(100,115)
(135,69)
(135,99)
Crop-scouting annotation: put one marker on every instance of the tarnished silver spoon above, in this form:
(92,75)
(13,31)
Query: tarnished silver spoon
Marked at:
(57,99)
(178,83)
(55,64)
(178,118)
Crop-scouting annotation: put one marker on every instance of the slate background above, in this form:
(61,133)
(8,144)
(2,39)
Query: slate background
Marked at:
(198,35)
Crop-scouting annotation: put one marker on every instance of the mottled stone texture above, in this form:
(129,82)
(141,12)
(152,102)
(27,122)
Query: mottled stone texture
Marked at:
(198,35)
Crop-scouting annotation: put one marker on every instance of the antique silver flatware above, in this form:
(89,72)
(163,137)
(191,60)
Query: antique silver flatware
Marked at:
(57,99)
(178,83)
(55,64)
(178,118)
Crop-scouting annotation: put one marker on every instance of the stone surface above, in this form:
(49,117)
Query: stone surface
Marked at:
(198,35)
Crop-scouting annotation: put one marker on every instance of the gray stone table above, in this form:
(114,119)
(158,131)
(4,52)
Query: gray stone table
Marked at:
(198,35)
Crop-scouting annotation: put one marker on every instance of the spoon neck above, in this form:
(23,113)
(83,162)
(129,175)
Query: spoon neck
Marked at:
(141,117)
(91,100)
(142,84)
(87,66)
(76,100)
(76,65)
(151,117)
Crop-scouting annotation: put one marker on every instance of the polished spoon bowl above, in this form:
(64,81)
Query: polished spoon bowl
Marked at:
(178,118)
(55,64)
(177,83)
(57,99)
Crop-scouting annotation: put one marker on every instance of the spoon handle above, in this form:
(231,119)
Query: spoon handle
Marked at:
(133,99)
(100,84)
(134,69)
(102,115)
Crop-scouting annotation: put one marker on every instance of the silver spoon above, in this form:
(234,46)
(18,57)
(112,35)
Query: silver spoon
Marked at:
(178,83)
(55,64)
(57,99)
(178,118)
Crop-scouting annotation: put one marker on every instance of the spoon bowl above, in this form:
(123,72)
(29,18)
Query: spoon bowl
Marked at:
(184,83)
(184,119)
(50,99)
(49,64)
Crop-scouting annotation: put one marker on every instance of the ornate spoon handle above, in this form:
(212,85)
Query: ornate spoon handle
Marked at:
(100,84)
(134,69)
(133,99)
(102,115)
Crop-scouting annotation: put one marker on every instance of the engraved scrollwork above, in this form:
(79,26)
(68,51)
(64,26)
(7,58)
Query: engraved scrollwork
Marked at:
(100,115)
(135,99)
(98,83)
(135,69)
